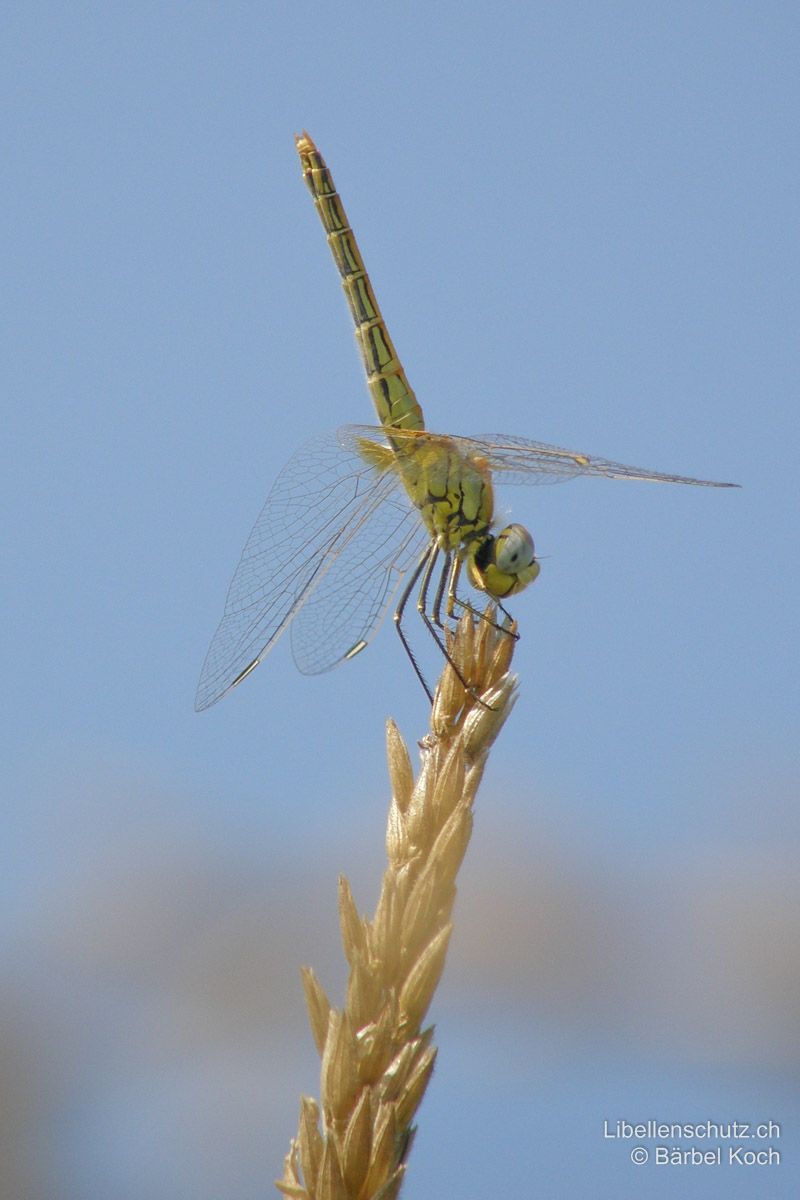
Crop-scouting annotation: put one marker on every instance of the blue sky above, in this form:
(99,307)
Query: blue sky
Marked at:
(580,221)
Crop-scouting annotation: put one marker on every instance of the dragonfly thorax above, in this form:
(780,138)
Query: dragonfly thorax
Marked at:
(503,564)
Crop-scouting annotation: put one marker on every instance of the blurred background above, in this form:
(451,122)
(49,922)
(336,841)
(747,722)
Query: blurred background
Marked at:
(581,223)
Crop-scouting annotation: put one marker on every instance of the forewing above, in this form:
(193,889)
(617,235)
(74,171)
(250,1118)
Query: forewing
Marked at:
(319,506)
(519,460)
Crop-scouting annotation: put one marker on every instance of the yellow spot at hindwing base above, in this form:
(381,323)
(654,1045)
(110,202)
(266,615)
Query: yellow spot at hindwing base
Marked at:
(377,456)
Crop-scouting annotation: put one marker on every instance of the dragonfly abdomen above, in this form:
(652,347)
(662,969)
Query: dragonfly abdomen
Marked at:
(392,394)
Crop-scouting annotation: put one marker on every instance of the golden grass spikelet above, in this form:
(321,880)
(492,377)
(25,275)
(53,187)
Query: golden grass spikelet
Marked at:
(357,1142)
(295,1191)
(376,1057)
(290,1183)
(391,1188)
(330,1184)
(422,980)
(339,1070)
(384,1149)
(411,1098)
(354,939)
(401,772)
(396,835)
(363,994)
(309,1141)
(426,900)
(318,1005)
(375,1043)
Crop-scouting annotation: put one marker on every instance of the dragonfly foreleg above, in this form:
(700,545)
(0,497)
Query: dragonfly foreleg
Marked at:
(454,601)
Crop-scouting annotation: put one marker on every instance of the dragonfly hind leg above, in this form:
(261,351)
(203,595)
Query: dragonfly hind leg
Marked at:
(448,576)
(425,564)
(422,574)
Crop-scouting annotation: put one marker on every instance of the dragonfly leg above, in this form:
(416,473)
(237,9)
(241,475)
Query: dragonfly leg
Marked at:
(453,600)
(422,574)
(507,616)
(446,571)
(450,568)
(452,594)
(426,561)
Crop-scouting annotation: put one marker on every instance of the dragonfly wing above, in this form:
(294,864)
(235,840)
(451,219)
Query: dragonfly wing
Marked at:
(519,460)
(320,504)
(348,606)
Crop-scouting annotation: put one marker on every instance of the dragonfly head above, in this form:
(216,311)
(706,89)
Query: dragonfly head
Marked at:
(504,563)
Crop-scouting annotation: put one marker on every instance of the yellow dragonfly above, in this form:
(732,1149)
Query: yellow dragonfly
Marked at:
(359,515)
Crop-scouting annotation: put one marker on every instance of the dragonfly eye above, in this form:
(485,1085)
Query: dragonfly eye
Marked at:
(504,565)
(513,549)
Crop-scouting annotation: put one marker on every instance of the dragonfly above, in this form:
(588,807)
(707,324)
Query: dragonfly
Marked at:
(362,517)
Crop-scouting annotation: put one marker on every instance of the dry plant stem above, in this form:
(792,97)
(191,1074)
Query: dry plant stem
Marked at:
(376,1057)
